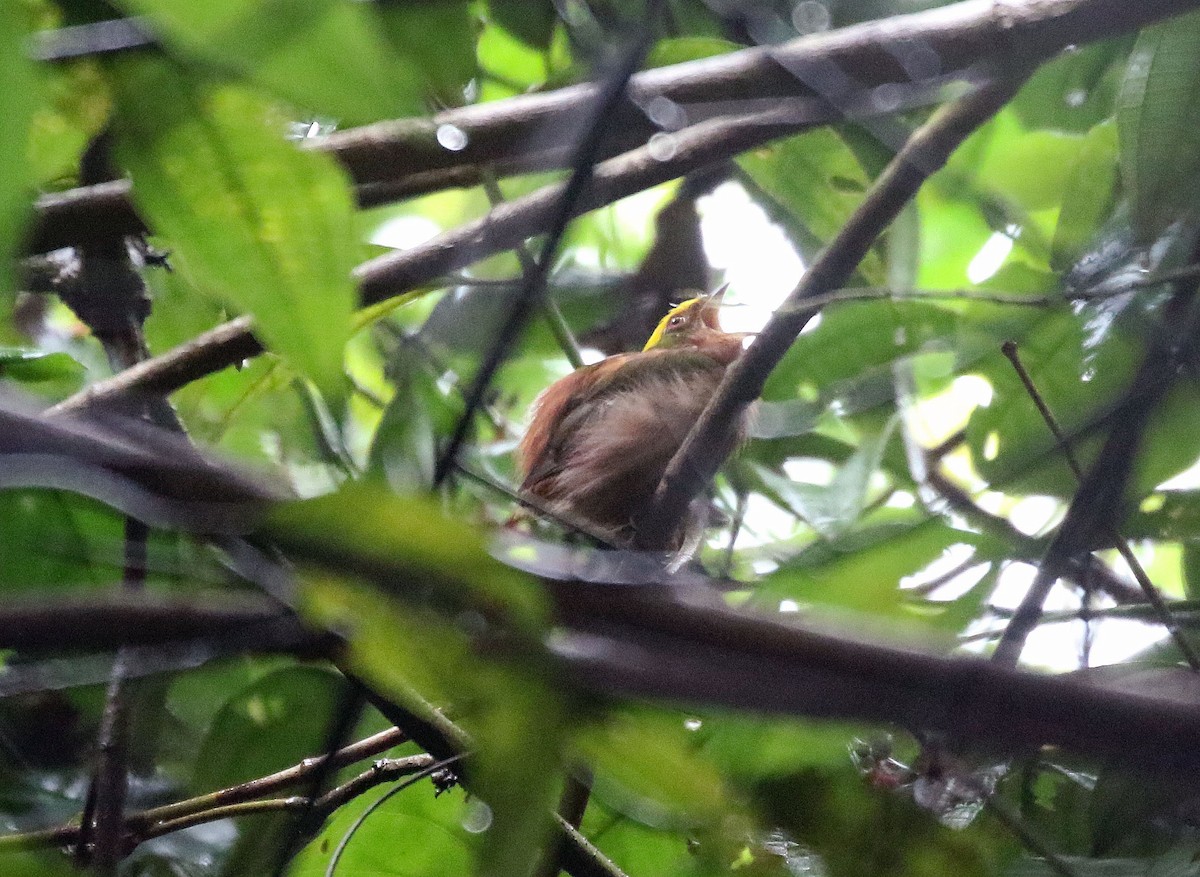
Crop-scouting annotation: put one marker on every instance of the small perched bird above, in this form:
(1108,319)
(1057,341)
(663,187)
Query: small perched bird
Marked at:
(601,438)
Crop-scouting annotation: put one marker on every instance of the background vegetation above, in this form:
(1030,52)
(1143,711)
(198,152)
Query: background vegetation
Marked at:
(350,242)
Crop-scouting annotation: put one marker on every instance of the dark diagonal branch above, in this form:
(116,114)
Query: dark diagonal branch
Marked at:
(925,152)
(109,619)
(1099,502)
(227,344)
(566,205)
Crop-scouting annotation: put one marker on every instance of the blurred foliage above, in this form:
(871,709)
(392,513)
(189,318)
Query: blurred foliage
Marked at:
(1046,228)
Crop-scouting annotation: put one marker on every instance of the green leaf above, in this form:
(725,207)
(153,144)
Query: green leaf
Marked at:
(1158,119)
(646,763)
(833,509)
(817,179)
(16,109)
(530,21)
(271,724)
(414,424)
(867,578)
(676,50)
(418,655)
(415,832)
(1080,380)
(252,219)
(1090,194)
(437,39)
(418,634)
(444,561)
(31,366)
(321,55)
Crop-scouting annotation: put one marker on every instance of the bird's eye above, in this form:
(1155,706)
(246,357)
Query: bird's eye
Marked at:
(675,321)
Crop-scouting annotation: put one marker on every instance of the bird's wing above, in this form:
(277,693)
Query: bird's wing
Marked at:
(563,407)
(554,404)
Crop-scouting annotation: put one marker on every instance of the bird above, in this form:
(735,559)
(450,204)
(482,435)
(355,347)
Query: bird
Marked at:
(600,439)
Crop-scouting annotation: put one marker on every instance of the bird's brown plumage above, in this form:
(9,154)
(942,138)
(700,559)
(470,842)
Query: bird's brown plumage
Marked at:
(601,437)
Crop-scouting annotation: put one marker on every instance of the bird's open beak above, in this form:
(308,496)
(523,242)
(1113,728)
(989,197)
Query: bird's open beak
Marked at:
(711,312)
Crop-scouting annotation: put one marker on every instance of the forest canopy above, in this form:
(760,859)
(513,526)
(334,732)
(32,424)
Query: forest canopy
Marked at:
(282,281)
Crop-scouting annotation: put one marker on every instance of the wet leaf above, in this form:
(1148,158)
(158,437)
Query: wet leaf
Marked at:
(253,220)
(322,55)
(16,109)
(1158,120)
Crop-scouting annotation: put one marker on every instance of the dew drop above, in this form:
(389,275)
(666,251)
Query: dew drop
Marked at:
(1075,97)
(665,113)
(478,817)
(886,97)
(662,147)
(810,16)
(693,724)
(452,137)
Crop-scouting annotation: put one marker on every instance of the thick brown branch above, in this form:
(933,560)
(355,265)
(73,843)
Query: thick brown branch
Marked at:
(702,453)
(227,344)
(690,648)
(108,620)
(403,158)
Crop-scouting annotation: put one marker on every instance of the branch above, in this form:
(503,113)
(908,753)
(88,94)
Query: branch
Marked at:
(225,345)
(687,647)
(107,620)
(704,450)
(399,159)
(244,799)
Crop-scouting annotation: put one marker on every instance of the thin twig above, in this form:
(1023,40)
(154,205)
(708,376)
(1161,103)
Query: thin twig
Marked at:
(550,310)
(1098,501)
(1155,598)
(567,203)
(1029,838)
(694,465)
(148,823)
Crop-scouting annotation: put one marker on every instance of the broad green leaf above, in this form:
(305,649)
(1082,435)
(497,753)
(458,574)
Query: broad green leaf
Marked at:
(417,633)
(530,21)
(444,560)
(833,509)
(647,763)
(867,579)
(323,56)
(1158,120)
(271,724)
(816,178)
(437,39)
(1079,378)
(36,864)
(414,656)
(30,366)
(1075,90)
(750,747)
(414,832)
(16,109)
(414,424)
(855,339)
(252,220)
(1090,194)
(73,106)
(517,64)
